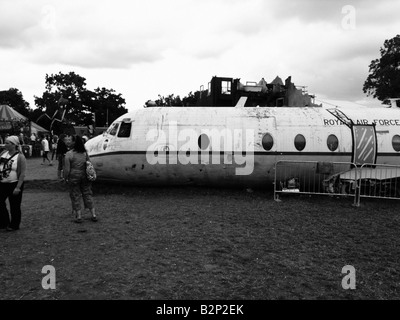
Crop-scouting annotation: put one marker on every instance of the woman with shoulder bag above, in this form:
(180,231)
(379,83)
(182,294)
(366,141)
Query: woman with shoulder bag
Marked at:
(76,178)
(12,175)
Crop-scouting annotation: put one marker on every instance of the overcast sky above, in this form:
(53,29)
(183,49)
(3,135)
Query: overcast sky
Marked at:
(149,47)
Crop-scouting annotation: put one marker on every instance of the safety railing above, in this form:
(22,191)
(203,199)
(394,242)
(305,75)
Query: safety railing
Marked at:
(379,181)
(338,179)
(318,178)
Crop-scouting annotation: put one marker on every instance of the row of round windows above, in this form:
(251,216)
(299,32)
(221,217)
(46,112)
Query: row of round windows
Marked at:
(299,142)
(332,142)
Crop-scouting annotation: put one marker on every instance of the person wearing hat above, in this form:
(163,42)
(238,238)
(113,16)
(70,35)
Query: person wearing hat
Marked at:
(12,175)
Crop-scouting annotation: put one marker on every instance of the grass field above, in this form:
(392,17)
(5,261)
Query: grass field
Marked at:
(200,243)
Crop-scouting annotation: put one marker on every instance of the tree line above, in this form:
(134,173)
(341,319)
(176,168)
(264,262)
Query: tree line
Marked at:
(68,91)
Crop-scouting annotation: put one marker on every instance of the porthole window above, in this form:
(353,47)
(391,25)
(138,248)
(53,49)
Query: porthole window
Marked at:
(203,142)
(300,142)
(332,142)
(267,142)
(396,142)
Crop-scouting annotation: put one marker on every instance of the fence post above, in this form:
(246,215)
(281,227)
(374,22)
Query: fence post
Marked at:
(276,195)
(357,193)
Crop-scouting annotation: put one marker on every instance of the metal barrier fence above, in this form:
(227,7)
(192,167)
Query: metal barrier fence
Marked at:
(379,181)
(338,179)
(314,177)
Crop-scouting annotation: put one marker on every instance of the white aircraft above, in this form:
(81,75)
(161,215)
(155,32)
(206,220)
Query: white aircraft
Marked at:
(239,145)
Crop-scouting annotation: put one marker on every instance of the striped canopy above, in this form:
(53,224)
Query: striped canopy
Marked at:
(8,113)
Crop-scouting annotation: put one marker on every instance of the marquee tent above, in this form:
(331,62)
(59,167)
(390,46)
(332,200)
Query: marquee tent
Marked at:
(9,114)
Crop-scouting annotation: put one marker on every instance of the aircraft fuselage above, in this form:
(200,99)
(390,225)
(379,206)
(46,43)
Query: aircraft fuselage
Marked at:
(237,145)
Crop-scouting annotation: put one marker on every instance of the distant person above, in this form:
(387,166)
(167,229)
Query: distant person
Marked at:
(33,139)
(1,140)
(68,141)
(61,151)
(54,142)
(21,139)
(12,175)
(75,176)
(33,143)
(46,149)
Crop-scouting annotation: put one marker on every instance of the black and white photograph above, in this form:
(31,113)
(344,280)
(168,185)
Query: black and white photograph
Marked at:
(199,154)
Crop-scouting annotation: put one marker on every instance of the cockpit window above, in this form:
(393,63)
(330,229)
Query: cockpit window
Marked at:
(125,130)
(113,129)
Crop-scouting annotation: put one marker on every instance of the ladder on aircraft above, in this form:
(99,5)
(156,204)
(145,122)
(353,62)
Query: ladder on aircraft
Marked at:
(341,116)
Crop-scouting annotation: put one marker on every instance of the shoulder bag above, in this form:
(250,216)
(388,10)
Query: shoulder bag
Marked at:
(90,171)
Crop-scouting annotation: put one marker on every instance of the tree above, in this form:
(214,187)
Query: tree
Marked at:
(172,100)
(13,98)
(106,104)
(66,94)
(383,82)
(191,99)
(168,101)
(63,90)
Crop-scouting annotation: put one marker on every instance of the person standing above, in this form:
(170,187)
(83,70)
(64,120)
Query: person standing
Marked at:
(54,142)
(46,149)
(12,175)
(33,142)
(61,151)
(75,176)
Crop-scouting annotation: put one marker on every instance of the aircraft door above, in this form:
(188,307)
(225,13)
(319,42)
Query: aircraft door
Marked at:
(364,144)
(364,139)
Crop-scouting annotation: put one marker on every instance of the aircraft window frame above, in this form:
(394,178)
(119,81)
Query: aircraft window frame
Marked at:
(396,143)
(206,141)
(113,129)
(332,142)
(267,144)
(122,126)
(300,142)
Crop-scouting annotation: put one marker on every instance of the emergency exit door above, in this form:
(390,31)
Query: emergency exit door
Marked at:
(364,144)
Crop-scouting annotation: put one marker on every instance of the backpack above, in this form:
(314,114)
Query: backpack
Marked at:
(5,161)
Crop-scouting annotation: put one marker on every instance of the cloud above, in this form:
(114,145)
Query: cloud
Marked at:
(330,11)
(15,22)
(93,37)
(183,43)
(96,54)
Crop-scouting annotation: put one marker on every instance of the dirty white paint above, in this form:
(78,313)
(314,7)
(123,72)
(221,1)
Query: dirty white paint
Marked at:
(125,159)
